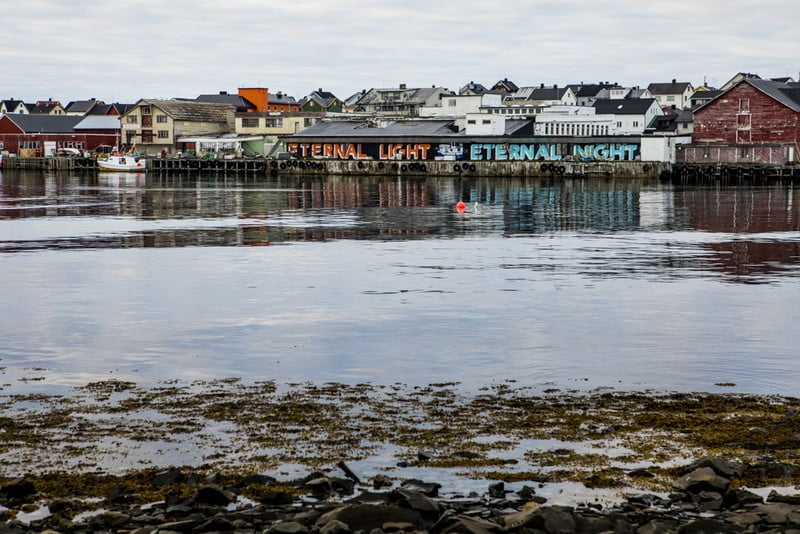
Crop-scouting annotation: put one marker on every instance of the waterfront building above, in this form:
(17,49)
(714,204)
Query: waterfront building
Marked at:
(754,121)
(154,125)
(34,135)
(541,96)
(586,94)
(631,115)
(259,132)
(237,101)
(458,106)
(674,94)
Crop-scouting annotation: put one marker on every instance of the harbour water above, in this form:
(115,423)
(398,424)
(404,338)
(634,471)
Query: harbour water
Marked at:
(577,283)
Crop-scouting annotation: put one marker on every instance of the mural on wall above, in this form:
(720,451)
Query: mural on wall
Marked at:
(472,152)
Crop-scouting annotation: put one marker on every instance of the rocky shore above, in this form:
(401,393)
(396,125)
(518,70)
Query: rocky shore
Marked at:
(225,456)
(704,500)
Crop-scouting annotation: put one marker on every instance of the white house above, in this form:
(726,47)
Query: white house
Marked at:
(630,116)
(461,105)
(676,95)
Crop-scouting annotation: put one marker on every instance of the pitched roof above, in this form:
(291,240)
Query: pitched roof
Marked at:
(590,89)
(548,93)
(98,122)
(474,87)
(45,123)
(43,108)
(281,98)
(12,104)
(183,110)
(225,98)
(669,88)
(786,94)
(82,106)
(632,106)
(366,129)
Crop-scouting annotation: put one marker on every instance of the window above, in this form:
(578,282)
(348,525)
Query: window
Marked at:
(273,123)
(29,144)
(745,152)
(133,119)
(451,102)
(250,122)
(163,134)
(619,124)
(671,98)
(147,136)
(161,119)
(146,110)
(308,121)
(744,104)
(635,124)
(471,121)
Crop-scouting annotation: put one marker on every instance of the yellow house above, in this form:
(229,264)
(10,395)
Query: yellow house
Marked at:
(154,126)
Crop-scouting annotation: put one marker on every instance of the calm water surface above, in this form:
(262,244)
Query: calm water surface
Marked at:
(579,283)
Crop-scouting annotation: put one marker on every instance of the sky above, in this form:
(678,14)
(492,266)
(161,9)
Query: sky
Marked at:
(125,50)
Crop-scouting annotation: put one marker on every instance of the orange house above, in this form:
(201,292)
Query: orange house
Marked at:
(259,96)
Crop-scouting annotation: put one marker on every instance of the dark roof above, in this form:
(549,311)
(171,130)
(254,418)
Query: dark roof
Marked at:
(706,95)
(669,88)
(100,109)
(45,123)
(224,98)
(474,87)
(548,93)
(367,129)
(663,123)
(82,106)
(786,94)
(12,104)
(632,106)
(590,89)
(43,108)
(192,111)
(685,116)
(281,98)
(511,86)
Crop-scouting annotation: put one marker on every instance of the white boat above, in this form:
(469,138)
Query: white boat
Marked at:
(122,162)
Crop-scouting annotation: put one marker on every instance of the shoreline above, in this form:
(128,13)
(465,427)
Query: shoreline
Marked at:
(285,454)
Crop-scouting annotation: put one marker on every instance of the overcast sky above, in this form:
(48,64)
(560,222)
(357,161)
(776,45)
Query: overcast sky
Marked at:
(124,50)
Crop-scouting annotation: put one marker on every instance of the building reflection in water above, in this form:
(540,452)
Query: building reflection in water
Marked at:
(753,228)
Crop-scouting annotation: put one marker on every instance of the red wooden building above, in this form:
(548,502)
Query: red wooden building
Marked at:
(755,121)
(43,135)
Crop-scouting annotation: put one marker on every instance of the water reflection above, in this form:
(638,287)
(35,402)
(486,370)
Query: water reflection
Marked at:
(747,233)
(377,278)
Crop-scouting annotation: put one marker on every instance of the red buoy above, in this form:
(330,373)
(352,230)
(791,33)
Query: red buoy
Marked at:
(460,207)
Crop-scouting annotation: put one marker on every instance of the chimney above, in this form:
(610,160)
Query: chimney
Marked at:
(674,81)
(541,86)
(402,86)
(223,92)
(319,90)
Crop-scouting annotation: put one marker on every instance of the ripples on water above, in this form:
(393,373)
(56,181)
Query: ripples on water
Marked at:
(578,283)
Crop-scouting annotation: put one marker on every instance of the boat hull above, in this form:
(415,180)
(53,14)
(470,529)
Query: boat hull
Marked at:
(122,164)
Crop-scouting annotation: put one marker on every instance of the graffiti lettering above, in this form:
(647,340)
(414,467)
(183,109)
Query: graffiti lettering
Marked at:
(401,151)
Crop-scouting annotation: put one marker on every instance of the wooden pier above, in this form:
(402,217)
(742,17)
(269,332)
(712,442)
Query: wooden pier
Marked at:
(702,172)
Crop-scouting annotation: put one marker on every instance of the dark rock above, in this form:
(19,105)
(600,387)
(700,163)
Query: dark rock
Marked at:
(348,472)
(424,456)
(738,498)
(369,497)
(319,487)
(211,495)
(169,477)
(657,526)
(273,497)
(776,514)
(416,501)
(17,490)
(469,525)
(702,479)
(431,489)
(741,519)
(552,519)
(217,524)
(343,486)
(497,490)
(381,481)
(179,526)
(706,526)
(526,493)
(288,527)
(774,496)
(334,527)
(369,516)
(721,467)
